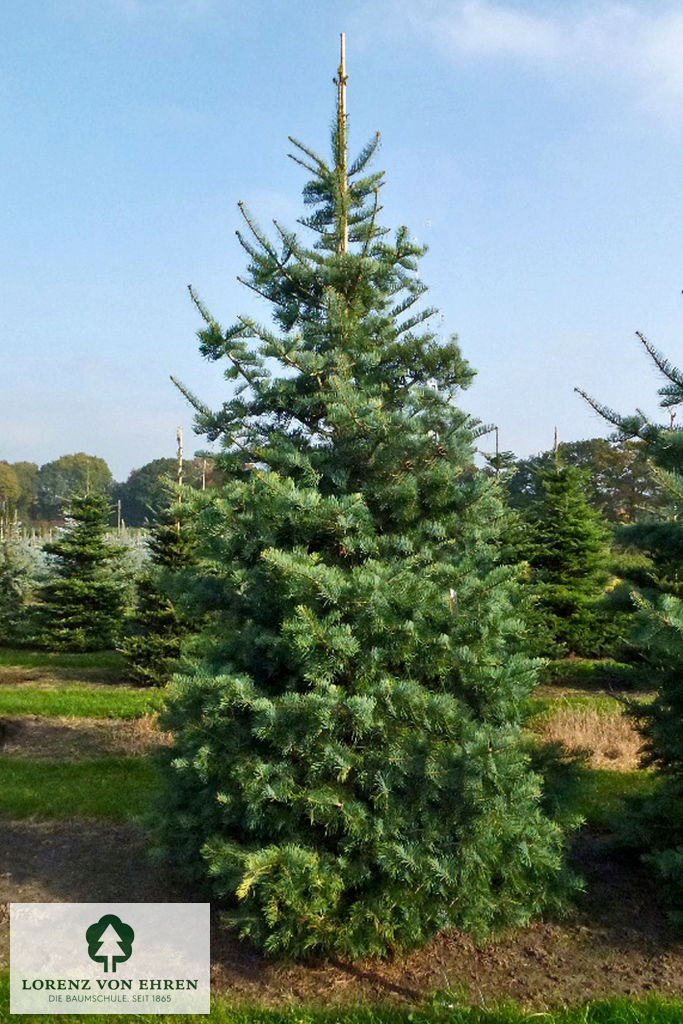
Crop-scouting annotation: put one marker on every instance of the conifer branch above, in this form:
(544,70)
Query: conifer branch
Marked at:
(206,414)
(366,154)
(259,291)
(371,226)
(268,248)
(667,368)
(258,235)
(195,402)
(323,169)
(296,250)
(602,410)
(214,325)
(414,321)
(272,340)
(302,163)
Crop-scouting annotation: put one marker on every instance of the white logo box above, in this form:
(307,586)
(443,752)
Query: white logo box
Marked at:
(109,958)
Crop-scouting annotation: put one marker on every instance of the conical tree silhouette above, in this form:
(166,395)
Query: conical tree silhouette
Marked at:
(348,770)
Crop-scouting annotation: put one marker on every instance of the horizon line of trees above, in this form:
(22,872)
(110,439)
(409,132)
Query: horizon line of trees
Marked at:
(621,484)
(36,494)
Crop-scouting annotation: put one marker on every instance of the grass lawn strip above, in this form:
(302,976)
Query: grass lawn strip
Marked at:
(613,1011)
(547,702)
(107,660)
(110,788)
(605,792)
(597,673)
(79,701)
(121,788)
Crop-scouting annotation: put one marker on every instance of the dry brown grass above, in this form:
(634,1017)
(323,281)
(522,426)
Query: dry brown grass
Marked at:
(56,738)
(611,740)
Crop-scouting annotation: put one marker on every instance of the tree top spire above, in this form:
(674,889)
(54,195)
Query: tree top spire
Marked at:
(340,81)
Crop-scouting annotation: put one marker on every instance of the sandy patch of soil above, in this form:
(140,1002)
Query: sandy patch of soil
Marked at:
(616,941)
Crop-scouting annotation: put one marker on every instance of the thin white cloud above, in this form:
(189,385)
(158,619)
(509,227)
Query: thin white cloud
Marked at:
(633,44)
(486,29)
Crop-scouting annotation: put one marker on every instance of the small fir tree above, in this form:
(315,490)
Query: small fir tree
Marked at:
(566,542)
(82,599)
(657,824)
(348,770)
(157,626)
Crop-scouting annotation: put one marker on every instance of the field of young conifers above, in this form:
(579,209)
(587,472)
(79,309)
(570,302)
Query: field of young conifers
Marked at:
(414,727)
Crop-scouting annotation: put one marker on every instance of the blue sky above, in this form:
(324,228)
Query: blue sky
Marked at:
(535,147)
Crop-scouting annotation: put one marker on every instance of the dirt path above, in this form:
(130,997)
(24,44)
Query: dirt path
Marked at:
(616,942)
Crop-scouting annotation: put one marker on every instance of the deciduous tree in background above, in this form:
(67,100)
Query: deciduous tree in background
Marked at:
(619,481)
(10,492)
(144,495)
(27,475)
(66,478)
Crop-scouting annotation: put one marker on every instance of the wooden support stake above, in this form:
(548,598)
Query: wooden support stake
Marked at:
(179,436)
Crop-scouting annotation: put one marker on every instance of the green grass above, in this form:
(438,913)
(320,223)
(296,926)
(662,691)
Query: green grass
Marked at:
(603,794)
(111,788)
(596,673)
(79,701)
(598,703)
(16,656)
(120,788)
(653,1010)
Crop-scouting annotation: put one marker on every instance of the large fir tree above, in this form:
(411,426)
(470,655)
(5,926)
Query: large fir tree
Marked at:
(659,821)
(81,601)
(348,768)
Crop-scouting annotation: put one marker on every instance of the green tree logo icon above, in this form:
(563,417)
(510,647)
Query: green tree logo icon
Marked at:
(110,941)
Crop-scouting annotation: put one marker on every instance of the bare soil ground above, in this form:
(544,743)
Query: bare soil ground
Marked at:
(53,739)
(616,941)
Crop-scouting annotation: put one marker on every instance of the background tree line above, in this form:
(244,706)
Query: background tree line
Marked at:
(38,494)
(621,484)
